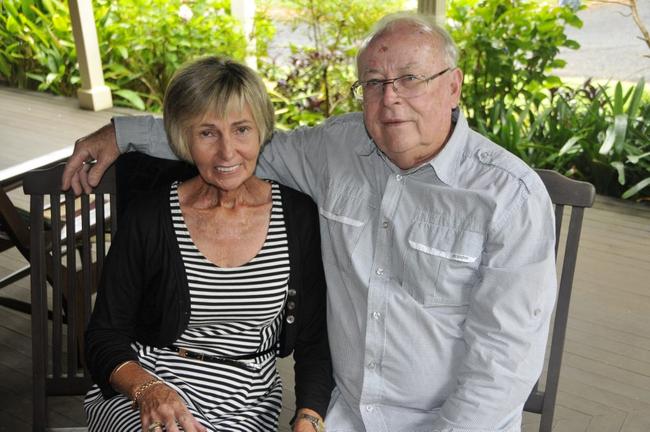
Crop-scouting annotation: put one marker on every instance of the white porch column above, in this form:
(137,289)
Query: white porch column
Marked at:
(93,94)
(244,11)
(433,7)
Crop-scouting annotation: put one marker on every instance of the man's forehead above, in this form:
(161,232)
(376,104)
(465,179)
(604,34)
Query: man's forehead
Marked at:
(406,67)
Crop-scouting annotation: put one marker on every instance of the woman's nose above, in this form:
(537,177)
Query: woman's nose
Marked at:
(226,149)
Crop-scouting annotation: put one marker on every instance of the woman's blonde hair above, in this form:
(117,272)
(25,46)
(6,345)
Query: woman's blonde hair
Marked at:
(213,85)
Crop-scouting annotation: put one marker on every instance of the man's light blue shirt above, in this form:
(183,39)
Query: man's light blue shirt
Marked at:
(441,279)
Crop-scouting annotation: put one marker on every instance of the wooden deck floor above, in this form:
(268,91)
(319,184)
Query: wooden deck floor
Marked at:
(605,381)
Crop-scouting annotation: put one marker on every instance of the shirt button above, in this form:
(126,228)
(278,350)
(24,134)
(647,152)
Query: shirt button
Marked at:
(536,312)
(376,315)
(380,271)
(484,156)
(385,224)
(292,292)
(398,177)
(369,408)
(291,319)
(372,365)
(291,305)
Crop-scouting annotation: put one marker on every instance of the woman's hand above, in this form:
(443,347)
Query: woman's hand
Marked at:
(159,404)
(163,405)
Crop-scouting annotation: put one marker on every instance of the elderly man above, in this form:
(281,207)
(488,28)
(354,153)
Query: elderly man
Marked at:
(437,243)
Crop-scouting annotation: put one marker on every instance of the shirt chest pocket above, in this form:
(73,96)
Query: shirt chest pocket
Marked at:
(344,217)
(441,264)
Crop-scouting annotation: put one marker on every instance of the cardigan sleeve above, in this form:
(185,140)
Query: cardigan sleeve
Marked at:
(112,325)
(313,365)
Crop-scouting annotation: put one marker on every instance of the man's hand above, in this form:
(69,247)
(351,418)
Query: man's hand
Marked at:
(101,146)
(304,425)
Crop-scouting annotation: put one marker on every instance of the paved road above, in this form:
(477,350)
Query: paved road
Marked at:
(609,44)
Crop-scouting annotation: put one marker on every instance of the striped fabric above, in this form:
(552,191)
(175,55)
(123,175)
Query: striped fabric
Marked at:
(234,311)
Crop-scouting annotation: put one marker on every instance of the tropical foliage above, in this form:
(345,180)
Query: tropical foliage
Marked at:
(509,52)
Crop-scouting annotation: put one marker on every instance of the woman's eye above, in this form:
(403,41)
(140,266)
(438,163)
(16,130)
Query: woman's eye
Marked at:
(243,129)
(206,133)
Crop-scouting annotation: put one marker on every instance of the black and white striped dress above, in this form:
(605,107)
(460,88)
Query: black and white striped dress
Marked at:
(234,311)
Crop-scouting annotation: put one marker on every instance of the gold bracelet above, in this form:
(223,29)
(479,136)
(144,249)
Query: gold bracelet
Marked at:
(141,389)
(120,366)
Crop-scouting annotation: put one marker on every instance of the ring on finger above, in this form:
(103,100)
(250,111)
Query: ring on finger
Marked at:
(154,426)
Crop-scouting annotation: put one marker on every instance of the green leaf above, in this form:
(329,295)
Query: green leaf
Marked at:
(620,169)
(124,53)
(132,97)
(635,159)
(636,188)
(569,145)
(615,135)
(619,101)
(49,79)
(12,25)
(636,99)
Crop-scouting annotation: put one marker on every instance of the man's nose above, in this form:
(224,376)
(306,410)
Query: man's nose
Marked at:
(390,95)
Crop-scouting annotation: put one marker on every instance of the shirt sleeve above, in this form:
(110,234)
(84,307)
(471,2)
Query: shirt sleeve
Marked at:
(506,329)
(296,159)
(145,134)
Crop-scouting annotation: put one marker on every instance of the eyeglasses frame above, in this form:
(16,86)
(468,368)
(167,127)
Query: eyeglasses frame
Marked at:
(383,82)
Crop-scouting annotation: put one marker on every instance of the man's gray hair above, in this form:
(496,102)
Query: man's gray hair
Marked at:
(424,23)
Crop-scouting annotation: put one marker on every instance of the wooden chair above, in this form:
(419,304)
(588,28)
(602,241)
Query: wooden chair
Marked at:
(64,284)
(57,344)
(14,221)
(576,196)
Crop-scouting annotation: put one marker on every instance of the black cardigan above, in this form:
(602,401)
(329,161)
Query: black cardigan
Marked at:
(144,296)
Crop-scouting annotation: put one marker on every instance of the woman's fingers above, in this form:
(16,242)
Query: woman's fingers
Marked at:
(162,404)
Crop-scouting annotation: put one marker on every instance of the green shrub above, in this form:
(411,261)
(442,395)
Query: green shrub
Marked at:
(36,46)
(598,133)
(142,43)
(508,50)
(315,84)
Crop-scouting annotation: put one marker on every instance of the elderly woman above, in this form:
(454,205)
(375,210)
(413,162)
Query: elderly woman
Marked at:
(207,281)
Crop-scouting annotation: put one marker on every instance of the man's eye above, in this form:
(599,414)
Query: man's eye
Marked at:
(373,83)
(409,78)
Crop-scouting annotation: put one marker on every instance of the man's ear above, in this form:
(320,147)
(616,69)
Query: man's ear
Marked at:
(456,85)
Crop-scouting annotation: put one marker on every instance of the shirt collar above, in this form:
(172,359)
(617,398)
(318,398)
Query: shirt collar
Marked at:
(446,163)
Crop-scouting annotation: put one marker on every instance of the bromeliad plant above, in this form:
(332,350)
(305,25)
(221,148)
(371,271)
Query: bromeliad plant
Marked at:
(610,139)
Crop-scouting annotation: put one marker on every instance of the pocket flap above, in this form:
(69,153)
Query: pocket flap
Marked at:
(445,242)
(340,218)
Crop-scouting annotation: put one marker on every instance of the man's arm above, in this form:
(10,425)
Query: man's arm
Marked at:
(143,133)
(506,329)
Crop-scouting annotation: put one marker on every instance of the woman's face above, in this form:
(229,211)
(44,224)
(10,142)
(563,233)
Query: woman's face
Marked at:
(225,150)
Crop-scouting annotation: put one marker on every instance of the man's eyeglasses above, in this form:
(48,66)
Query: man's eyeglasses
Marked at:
(406,86)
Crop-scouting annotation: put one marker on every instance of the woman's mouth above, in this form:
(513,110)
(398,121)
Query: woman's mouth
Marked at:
(227,169)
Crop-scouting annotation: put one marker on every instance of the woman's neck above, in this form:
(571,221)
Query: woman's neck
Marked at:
(204,196)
